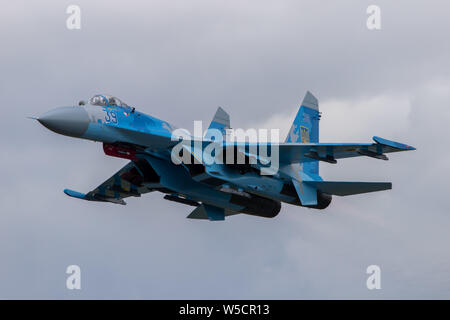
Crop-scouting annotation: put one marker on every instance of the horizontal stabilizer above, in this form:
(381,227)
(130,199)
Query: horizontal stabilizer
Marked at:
(198,213)
(346,188)
(205,211)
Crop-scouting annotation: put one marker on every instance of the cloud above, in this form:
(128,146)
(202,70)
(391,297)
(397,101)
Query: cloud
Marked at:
(178,61)
(352,120)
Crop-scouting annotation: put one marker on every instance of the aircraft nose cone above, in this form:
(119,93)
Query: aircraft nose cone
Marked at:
(69,121)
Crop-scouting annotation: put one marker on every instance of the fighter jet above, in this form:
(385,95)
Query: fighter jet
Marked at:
(255,185)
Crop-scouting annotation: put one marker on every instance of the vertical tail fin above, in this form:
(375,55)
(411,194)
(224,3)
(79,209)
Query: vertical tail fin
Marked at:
(221,121)
(305,128)
(306,124)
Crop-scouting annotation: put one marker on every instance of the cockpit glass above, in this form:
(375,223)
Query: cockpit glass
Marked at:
(105,100)
(98,101)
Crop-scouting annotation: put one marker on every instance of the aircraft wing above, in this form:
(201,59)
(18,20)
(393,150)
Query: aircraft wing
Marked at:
(212,213)
(329,152)
(127,182)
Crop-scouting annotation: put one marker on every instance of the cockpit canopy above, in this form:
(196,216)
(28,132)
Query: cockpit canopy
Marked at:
(106,101)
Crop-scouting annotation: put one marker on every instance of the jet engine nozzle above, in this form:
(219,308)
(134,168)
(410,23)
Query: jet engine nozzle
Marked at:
(69,121)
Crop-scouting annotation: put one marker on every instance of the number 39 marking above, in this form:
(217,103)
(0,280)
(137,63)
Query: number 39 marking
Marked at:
(110,116)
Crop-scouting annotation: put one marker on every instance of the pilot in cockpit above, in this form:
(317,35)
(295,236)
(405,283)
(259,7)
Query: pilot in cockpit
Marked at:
(106,101)
(112,102)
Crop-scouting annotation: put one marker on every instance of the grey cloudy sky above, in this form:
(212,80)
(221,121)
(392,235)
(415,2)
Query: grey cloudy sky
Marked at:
(179,60)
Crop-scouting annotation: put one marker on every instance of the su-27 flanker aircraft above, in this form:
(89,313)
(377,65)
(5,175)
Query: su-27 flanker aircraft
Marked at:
(216,190)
